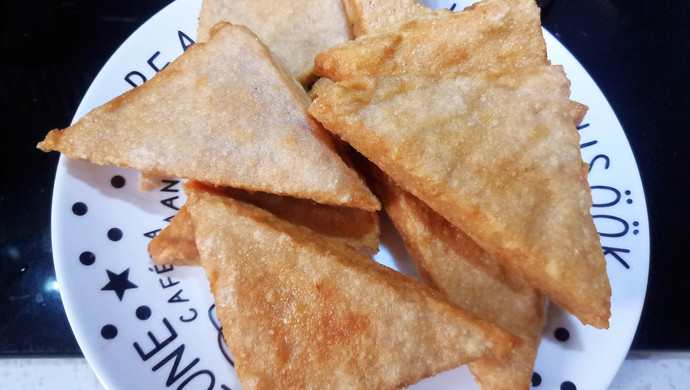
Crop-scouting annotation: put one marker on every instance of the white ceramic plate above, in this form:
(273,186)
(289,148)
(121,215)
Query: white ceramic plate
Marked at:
(143,326)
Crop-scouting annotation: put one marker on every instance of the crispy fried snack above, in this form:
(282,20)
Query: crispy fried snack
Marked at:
(149,181)
(498,157)
(366,16)
(318,86)
(354,227)
(450,262)
(303,312)
(490,36)
(295,30)
(224,113)
(447,259)
(175,245)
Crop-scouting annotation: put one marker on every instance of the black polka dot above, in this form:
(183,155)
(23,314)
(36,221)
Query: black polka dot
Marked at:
(627,192)
(561,334)
(117,181)
(143,312)
(568,385)
(115,234)
(87,258)
(109,332)
(79,208)
(536,379)
(635,223)
(629,201)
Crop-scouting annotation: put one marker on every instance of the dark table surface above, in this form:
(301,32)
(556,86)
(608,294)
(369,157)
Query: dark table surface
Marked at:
(637,52)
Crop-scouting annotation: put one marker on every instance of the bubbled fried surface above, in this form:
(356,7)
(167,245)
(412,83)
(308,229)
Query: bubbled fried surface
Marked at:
(497,157)
(491,36)
(446,258)
(295,30)
(453,264)
(175,245)
(366,16)
(449,261)
(224,113)
(357,228)
(302,312)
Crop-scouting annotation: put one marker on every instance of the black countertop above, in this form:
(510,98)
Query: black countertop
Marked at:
(637,52)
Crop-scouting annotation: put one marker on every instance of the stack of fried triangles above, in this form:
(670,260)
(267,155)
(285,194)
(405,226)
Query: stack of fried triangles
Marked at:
(354,227)
(304,312)
(464,111)
(491,147)
(307,310)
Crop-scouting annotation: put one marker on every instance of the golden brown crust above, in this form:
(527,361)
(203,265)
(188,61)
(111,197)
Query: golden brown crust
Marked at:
(301,312)
(356,228)
(149,181)
(490,36)
(456,266)
(222,113)
(175,245)
(295,30)
(318,86)
(365,16)
(578,111)
(509,371)
(482,155)
(450,262)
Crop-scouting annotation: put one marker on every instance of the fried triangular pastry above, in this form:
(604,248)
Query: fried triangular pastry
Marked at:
(223,113)
(175,245)
(366,16)
(354,227)
(489,36)
(149,181)
(450,262)
(303,312)
(295,30)
(499,158)
(317,86)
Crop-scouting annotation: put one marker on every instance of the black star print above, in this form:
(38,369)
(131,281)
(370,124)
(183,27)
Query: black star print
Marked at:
(119,283)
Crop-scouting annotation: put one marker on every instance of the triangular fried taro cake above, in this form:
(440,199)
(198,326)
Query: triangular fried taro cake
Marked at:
(175,245)
(450,262)
(295,30)
(303,312)
(225,113)
(355,227)
(365,16)
(498,157)
(446,258)
(489,36)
